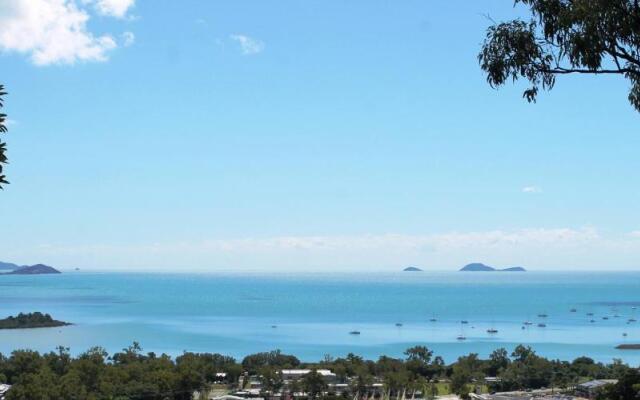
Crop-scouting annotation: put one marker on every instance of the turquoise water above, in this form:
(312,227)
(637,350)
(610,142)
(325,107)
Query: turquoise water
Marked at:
(314,313)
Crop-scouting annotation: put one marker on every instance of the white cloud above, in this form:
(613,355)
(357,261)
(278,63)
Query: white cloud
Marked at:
(536,248)
(50,32)
(128,38)
(114,8)
(248,45)
(532,189)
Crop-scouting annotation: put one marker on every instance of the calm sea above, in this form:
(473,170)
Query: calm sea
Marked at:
(311,315)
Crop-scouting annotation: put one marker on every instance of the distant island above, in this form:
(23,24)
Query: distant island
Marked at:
(412,269)
(513,269)
(479,267)
(10,266)
(37,269)
(31,320)
(628,347)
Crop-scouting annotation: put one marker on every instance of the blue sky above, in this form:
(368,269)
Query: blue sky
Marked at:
(351,135)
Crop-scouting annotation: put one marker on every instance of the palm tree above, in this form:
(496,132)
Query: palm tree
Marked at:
(359,385)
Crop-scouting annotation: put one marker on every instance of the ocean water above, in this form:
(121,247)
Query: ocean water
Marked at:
(313,314)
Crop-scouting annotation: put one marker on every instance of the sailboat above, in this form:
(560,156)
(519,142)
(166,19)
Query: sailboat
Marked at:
(542,324)
(461,336)
(492,330)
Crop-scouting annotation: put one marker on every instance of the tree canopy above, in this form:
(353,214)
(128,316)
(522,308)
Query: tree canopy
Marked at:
(133,374)
(565,37)
(254,362)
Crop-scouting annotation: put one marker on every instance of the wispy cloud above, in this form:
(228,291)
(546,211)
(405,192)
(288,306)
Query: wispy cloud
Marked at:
(128,39)
(538,248)
(248,45)
(531,189)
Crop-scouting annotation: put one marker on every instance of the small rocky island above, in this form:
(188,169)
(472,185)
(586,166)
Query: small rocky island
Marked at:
(479,267)
(37,269)
(628,347)
(31,320)
(412,269)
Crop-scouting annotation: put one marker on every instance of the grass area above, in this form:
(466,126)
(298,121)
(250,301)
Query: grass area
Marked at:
(444,388)
(216,390)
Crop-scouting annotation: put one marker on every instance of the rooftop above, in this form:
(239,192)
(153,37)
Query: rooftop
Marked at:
(597,383)
(323,372)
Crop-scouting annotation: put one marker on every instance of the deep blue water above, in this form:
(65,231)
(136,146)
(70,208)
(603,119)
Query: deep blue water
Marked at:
(314,313)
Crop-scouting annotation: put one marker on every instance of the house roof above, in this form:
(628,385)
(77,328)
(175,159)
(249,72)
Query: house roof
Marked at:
(228,397)
(597,383)
(323,372)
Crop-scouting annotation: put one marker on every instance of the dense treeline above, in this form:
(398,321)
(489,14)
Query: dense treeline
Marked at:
(255,362)
(94,375)
(132,374)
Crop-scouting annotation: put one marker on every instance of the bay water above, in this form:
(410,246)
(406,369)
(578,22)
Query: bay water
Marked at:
(311,315)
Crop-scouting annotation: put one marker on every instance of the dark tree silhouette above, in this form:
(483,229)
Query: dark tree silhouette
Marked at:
(3,146)
(565,37)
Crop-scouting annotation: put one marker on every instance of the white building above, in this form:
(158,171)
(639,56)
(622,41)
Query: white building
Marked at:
(590,389)
(295,374)
(3,390)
